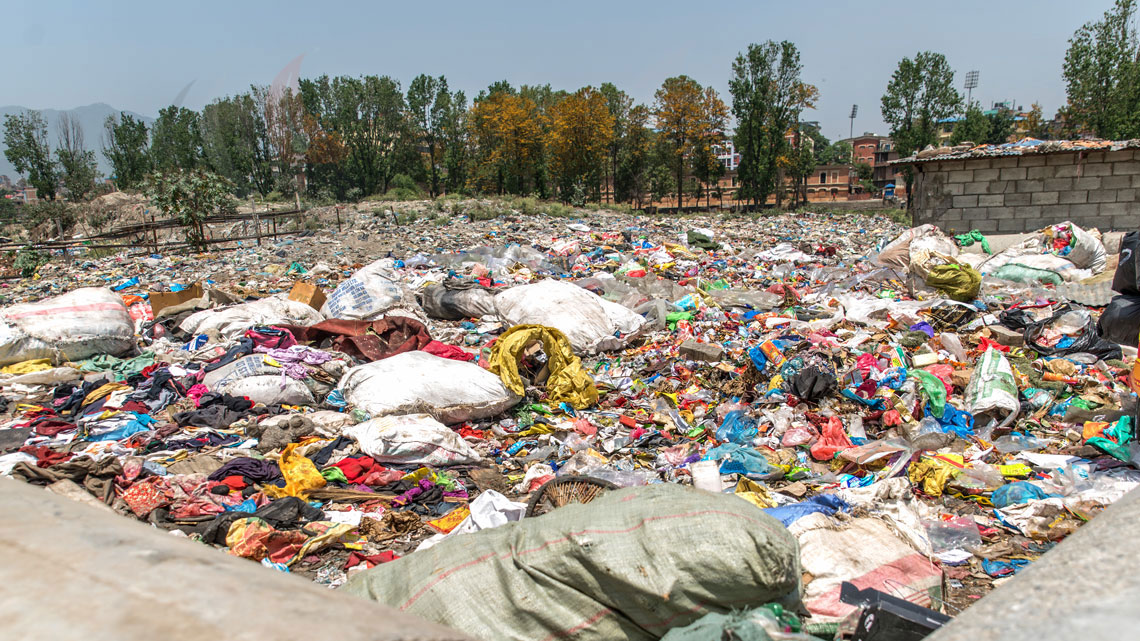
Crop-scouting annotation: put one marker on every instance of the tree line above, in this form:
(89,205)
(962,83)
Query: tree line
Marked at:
(347,138)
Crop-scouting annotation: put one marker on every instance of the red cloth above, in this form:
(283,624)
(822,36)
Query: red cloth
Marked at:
(45,456)
(985,343)
(448,351)
(235,482)
(369,560)
(368,340)
(51,427)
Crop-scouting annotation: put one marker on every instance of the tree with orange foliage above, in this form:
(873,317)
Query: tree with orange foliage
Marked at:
(690,117)
(581,130)
(506,131)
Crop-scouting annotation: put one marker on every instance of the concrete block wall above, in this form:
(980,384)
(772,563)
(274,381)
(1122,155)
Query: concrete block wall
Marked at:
(1018,194)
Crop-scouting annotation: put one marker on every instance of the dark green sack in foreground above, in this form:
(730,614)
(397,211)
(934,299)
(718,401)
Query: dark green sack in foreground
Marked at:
(631,565)
(959,282)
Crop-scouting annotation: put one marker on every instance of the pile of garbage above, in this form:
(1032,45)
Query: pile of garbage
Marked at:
(804,401)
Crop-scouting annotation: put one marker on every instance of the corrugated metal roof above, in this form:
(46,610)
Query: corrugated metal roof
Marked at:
(1025,146)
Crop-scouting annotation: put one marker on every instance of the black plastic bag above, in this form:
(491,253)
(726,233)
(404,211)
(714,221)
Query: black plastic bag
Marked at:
(1126,280)
(1120,322)
(1088,342)
(812,383)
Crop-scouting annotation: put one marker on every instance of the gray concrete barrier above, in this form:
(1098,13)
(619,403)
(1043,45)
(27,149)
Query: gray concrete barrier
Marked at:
(74,571)
(1088,587)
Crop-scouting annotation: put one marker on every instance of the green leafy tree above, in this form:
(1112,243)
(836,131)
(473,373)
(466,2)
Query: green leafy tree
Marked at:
(819,142)
(635,158)
(190,196)
(920,93)
(837,153)
(453,127)
(689,118)
(429,106)
(1002,123)
(768,96)
(235,143)
(176,139)
(973,127)
(126,146)
(28,149)
(76,162)
(1102,74)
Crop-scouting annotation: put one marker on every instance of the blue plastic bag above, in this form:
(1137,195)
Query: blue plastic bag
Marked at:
(738,428)
(827,504)
(1017,493)
(735,459)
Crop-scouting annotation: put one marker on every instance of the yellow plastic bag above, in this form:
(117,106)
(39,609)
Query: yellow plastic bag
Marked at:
(568,382)
(301,475)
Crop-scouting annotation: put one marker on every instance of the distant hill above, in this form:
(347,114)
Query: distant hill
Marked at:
(91,117)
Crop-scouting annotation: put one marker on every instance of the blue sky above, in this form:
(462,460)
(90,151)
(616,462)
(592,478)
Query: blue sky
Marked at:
(140,55)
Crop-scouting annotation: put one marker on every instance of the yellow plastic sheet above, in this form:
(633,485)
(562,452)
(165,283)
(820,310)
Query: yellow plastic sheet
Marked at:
(301,475)
(933,475)
(754,493)
(27,367)
(568,382)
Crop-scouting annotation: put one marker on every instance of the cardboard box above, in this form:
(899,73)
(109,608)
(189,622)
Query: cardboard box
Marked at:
(307,293)
(161,300)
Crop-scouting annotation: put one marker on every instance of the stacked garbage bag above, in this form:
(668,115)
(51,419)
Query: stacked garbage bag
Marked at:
(775,407)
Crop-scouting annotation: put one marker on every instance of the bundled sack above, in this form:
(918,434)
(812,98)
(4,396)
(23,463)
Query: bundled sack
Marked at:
(959,282)
(456,301)
(77,325)
(1126,280)
(1084,249)
(265,380)
(896,254)
(631,564)
(232,322)
(568,381)
(420,383)
(867,552)
(1120,322)
(412,439)
(590,322)
(370,292)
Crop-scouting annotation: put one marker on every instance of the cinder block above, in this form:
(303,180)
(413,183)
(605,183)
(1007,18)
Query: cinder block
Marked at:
(983,225)
(1045,198)
(1001,187)
(1029,211)
(952,215)
(1011,224)
(694,351)
(1128,168)
(1103,223)
(1084,210)
(1124,155)
(986,174)
(1067,171)
(1118,209)
(1098,169)
(1006,336)
(1013,173)
(1126,195)
(1115,182)
(1102,196)
(960,176)
(1060,159)
(1029,186)
(1058,184)
(953,189)
(1096,157)
(991,200)
(1136,182)
(1031,161)
(965,201)
(1038,173)
(1017,200)
(1123,223)
(1089,182)
(975,188)
(1073,197)
(1054,213)
(1003,163)
(952,165)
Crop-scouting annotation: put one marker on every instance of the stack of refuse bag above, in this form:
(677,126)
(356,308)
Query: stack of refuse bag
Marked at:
(773,407)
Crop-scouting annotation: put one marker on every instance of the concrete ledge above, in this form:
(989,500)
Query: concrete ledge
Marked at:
(1087,587)
(72,571)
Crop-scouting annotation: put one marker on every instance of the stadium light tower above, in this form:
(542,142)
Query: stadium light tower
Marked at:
(854,112)
(971,83)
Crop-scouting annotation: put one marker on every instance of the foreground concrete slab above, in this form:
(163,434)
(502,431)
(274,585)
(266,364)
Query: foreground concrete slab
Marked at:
(1087,587)
(73,571)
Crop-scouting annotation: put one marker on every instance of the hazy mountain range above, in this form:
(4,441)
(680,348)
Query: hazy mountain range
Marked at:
(91,117)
